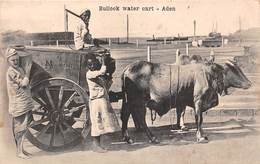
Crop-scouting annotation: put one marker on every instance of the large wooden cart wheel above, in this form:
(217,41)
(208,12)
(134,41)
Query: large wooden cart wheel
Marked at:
(61,115)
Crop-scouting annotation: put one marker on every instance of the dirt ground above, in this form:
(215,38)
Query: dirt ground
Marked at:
(232,139)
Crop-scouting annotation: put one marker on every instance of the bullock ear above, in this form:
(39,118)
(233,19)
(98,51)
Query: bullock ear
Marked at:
(223,68)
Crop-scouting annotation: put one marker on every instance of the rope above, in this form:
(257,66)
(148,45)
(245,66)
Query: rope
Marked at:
(153,118)
(177,90)
(171,120)
(178,75)
(171,95)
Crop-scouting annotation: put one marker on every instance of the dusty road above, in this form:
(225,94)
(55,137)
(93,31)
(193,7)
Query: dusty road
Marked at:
(231,140)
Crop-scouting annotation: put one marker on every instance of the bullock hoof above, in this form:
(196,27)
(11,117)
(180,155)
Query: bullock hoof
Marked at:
(184,128)
(128,140)
(202,140)
(155,141)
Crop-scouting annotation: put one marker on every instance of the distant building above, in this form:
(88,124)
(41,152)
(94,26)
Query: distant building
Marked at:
(249,35)
(49,38)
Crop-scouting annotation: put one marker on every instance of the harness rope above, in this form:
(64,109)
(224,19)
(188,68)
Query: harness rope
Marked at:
(171,120)
(153,118)
(177,90)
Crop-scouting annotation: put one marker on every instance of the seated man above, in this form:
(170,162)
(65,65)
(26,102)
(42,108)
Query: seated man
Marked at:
(82,37)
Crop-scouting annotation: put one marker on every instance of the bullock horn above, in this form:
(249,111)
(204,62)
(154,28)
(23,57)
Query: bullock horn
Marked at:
(230,63)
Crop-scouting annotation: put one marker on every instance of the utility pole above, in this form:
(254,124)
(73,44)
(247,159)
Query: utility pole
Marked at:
(66,25)
(194,22)
(127,38)
(212,26)
(240,31)
(216,26)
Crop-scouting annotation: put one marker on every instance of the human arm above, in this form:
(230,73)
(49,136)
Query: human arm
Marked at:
(27,68)
(17,78)
(96,73)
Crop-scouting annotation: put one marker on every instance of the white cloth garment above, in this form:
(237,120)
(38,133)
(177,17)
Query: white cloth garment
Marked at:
(102,115)
(20,100)
(80,33)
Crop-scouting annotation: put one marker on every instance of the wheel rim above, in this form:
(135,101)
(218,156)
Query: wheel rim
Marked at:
(61,115)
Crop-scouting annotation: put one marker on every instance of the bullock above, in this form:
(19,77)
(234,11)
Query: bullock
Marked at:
(161,87)
(232,77)
(181,111)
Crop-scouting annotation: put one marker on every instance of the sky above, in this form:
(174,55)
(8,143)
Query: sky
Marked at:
(48,16)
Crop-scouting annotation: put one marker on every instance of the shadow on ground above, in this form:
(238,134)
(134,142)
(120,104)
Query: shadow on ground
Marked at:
(169,135)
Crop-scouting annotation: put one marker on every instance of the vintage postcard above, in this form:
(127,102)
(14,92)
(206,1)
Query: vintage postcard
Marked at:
(130,82)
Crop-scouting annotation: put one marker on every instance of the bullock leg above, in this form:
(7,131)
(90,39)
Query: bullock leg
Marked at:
(137,123)
(152,138)
(139,109)
(180,118)
(199,120)
(140,113)
(144,125)
(125,114)
(152,105)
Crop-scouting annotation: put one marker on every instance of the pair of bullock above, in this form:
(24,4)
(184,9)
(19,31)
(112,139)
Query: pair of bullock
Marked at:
(161,87)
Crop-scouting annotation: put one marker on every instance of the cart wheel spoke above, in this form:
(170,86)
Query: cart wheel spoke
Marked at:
(39,122)
(63,135)
(45,113)
(50,98)
(40,113)
(53,135)
(71,128)
(35,97)
(69,100)
(74,109)
(60,96)
(39,135)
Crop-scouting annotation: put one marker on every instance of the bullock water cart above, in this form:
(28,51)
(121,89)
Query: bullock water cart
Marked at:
(60,92)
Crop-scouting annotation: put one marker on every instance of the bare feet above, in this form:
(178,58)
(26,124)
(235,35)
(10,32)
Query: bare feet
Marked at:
(99,149)
(23,156)
(26,153)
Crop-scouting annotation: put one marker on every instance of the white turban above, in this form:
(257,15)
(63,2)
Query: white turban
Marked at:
(10,52)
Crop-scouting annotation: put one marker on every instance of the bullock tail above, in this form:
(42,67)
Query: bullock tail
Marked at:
(125,112)
(124,94)
(123,91)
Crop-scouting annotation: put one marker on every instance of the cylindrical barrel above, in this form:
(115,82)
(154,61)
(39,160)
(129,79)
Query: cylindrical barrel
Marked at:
(34,71)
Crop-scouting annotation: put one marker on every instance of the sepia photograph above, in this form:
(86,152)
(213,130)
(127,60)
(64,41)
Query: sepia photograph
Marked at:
(129,81)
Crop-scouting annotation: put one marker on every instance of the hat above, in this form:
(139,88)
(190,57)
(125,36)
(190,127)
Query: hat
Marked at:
(85,10)
(10,52)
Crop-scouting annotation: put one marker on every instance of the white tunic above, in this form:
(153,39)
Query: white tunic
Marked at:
(20,100)
(79,33)
(102,115)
